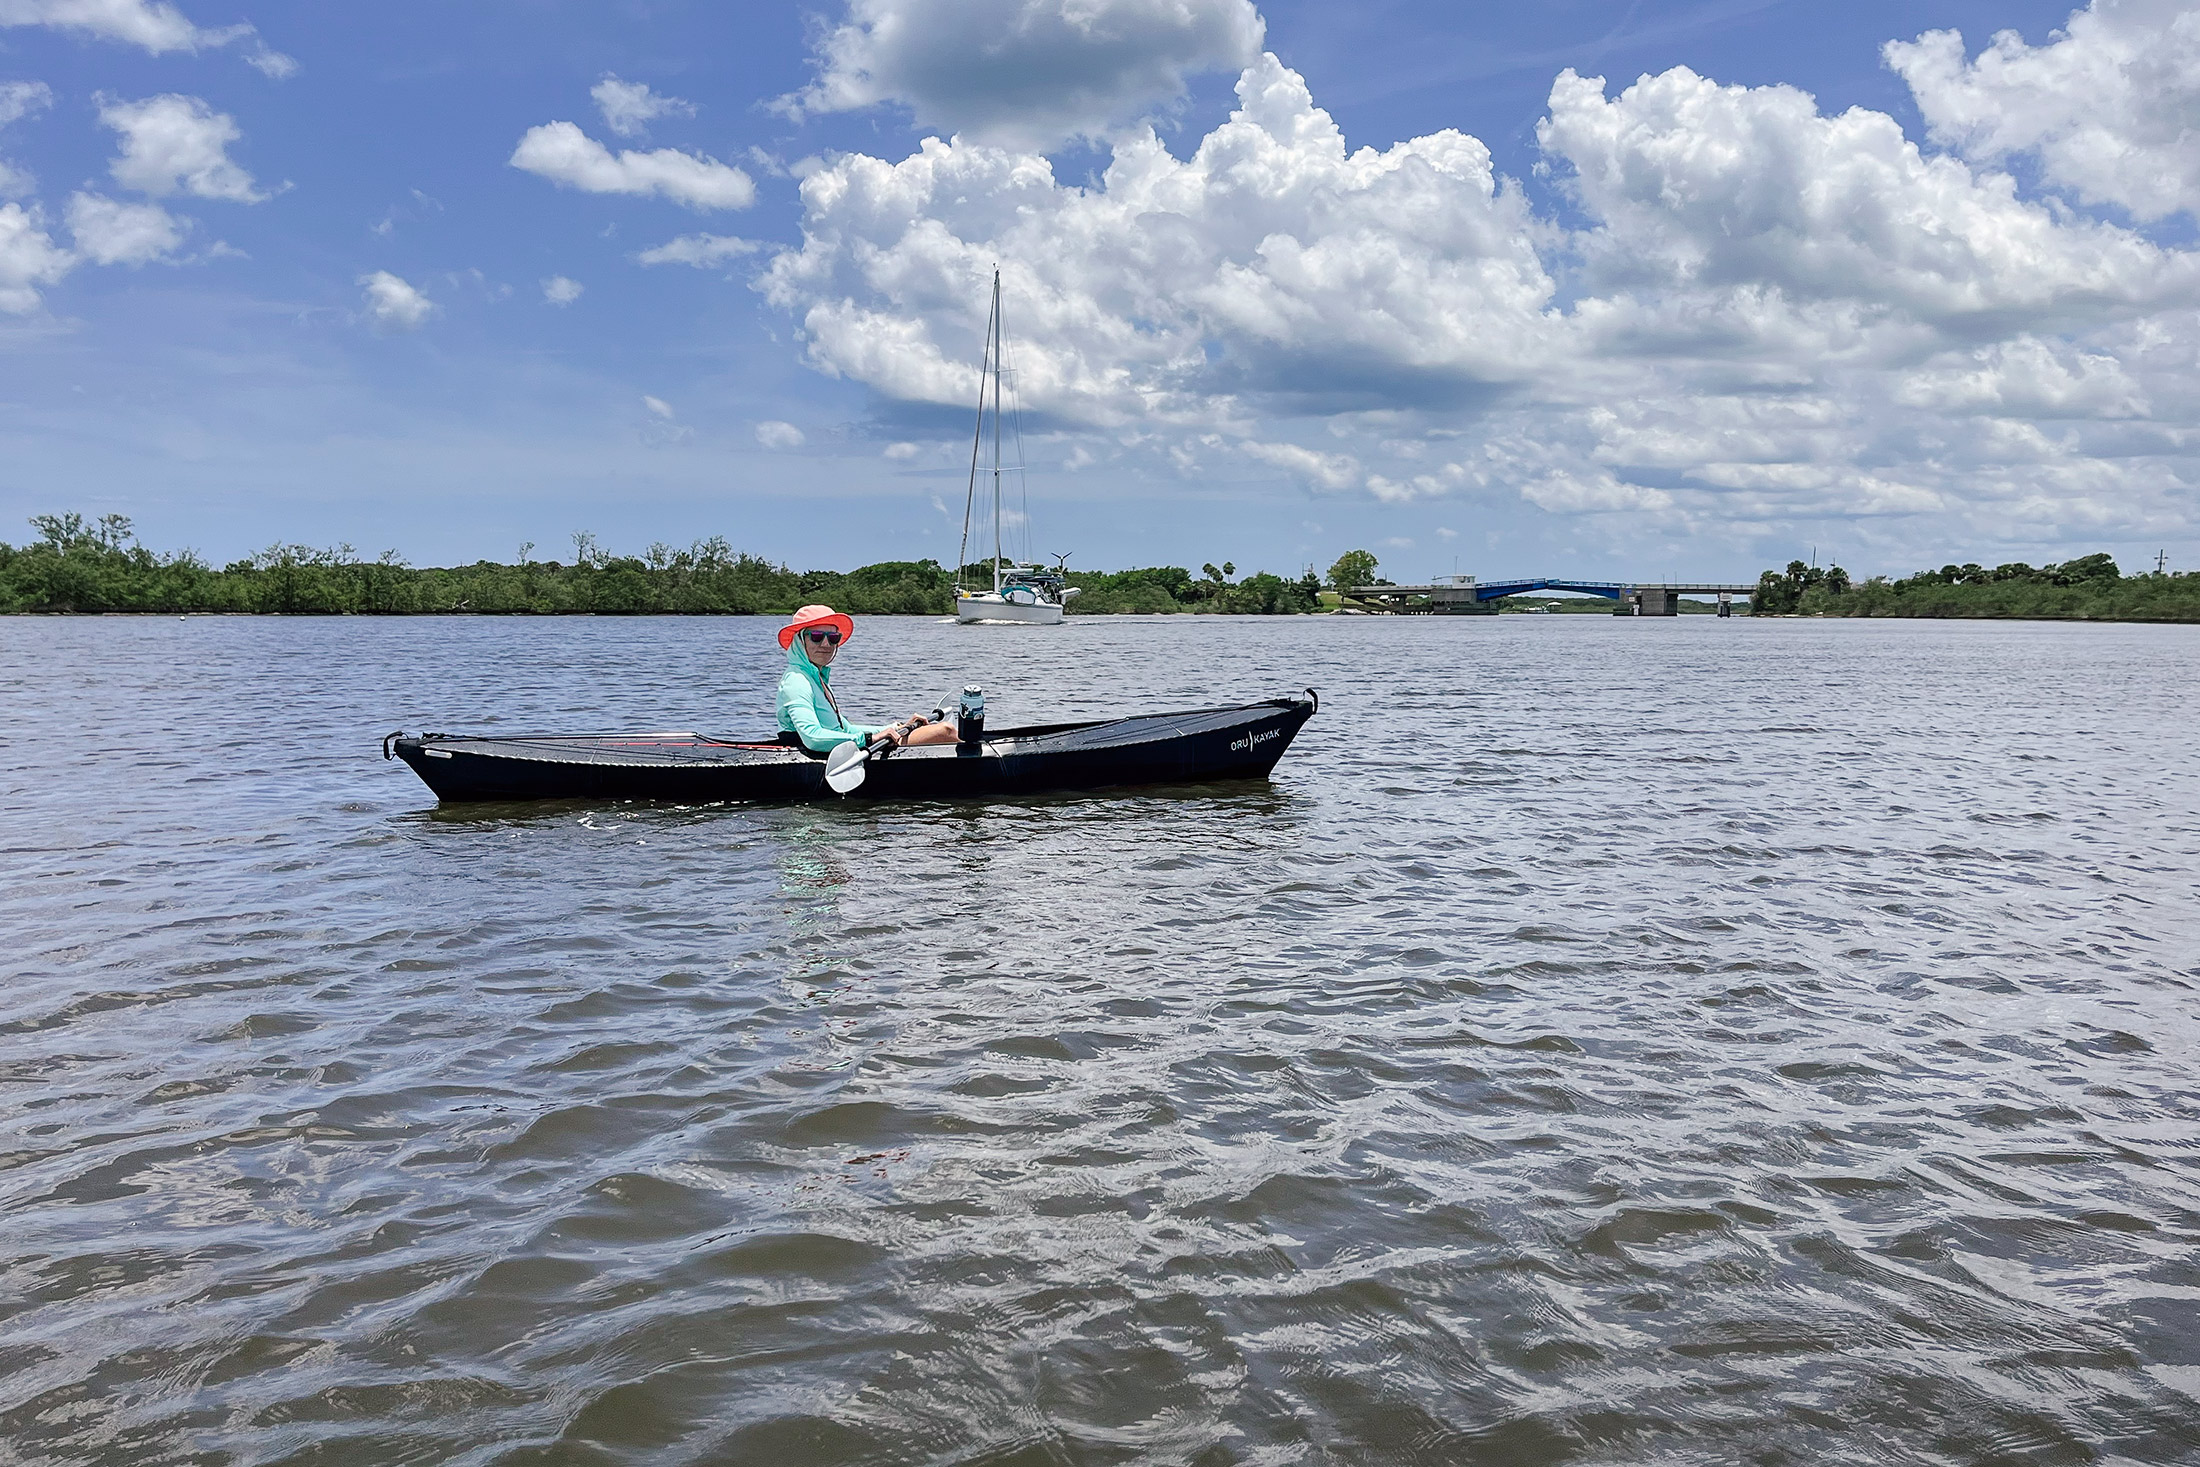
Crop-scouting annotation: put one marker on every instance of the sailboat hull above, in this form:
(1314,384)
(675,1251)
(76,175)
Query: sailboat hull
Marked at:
(983,607)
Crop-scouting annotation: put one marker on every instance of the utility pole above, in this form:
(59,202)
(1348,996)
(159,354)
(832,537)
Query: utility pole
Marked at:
(2161,561)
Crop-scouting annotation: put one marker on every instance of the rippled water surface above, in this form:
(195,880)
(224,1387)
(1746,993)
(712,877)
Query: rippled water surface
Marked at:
(1658,1041)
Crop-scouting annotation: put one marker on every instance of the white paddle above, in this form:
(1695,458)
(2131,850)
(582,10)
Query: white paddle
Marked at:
(846,766)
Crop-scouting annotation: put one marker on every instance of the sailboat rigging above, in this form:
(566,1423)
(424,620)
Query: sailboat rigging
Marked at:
(1029,595)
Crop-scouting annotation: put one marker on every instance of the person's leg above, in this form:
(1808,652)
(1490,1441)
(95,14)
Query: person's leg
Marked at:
(933,733)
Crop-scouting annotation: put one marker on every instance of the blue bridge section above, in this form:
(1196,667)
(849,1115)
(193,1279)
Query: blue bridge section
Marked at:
(1467,595)
(1492,590)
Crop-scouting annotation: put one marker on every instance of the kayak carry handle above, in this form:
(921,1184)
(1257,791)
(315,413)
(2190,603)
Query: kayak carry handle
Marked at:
(1314,698)
(388,738)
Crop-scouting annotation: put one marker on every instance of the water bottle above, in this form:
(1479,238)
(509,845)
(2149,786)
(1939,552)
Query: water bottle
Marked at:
(970,715)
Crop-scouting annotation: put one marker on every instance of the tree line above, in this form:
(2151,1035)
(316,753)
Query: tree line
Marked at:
(77,564)
(2089,588)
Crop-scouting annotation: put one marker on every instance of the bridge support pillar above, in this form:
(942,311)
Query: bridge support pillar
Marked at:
(1460,603)
(1630,604)
(1726,603)
(1457,597)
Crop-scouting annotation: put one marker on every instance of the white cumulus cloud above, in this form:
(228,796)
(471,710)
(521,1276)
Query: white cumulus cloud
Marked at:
(2027,378)
(629,107)
(703,251)
(173,144)
(1273,267)
(2110,106)
(562,153)
(19,100)
(271,64)
(657,406)
(559,290)
(394,302)
(1753,315)
(152,24)
(777,435)
(28,259)
(1321,470)
(1025,72)
(109,232)
(1701,186)
(1597,491)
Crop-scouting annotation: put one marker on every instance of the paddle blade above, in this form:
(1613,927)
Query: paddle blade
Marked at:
(844,768)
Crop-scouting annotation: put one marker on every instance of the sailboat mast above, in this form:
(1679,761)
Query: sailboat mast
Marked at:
(970,494)
(996,430)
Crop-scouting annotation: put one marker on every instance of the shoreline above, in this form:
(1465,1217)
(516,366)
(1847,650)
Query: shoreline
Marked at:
(181,613)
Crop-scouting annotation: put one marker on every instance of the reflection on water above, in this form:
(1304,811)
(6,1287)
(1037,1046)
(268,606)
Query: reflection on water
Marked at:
(1604,1041)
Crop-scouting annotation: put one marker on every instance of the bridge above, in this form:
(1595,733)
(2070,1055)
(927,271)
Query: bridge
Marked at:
(1465,596)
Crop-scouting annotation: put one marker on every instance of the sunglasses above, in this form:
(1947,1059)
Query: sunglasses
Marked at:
(826,639)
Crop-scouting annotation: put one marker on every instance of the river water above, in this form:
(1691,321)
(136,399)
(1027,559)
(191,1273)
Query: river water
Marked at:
(1604,1041)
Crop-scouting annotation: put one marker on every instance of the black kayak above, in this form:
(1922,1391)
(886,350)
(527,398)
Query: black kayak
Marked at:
(1153,748)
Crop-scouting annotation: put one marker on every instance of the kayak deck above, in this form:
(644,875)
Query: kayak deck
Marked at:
(1199,744)
(674,749)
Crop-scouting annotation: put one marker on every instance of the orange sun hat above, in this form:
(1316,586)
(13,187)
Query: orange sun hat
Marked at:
(810,616)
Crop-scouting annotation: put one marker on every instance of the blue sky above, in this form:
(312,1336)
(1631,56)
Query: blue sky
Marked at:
(331,273)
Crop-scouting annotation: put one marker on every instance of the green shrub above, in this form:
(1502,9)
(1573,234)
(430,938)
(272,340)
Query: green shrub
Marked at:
(2089,588)
(77,565)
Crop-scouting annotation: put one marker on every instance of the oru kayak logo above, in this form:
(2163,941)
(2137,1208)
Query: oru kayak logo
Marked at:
(1250,740)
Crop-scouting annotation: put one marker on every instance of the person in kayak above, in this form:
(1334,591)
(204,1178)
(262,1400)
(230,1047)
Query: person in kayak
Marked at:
(807,708)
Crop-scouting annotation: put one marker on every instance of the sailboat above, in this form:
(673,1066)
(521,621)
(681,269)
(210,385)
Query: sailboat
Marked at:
(1029,595)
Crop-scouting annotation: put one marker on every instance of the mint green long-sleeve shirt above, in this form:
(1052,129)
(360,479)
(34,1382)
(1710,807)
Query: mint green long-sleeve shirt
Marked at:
(806,705)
